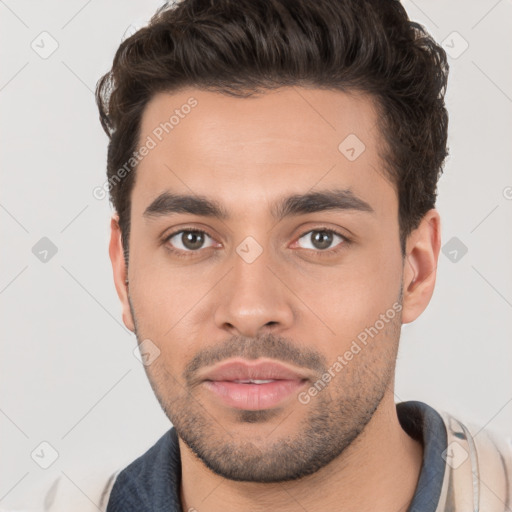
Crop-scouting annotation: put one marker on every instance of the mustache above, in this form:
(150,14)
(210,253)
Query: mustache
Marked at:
(267,345)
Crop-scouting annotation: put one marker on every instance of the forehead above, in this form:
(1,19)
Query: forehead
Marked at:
(246,151)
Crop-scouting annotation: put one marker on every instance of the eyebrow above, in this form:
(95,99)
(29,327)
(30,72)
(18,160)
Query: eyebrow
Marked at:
(168,203)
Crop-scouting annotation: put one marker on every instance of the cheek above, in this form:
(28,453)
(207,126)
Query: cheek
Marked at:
(166,300)
(340,303)
(160,292)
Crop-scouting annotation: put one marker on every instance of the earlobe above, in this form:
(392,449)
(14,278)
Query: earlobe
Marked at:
(119,270)
(420,266)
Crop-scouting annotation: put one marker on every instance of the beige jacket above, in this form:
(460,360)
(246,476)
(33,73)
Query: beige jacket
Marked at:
(478,476)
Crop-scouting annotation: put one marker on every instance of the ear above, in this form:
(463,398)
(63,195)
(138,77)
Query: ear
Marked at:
(420,266)
(115,251)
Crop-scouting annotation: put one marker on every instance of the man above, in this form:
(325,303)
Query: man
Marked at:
(273,167)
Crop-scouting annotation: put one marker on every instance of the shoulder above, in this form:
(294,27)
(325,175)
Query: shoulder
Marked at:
(478,472)
(91,490)
(87,492)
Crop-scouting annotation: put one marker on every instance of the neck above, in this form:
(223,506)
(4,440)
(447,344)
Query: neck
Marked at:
(381,466)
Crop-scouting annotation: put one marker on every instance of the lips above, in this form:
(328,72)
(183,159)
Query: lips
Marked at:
(239,369)
(253,385)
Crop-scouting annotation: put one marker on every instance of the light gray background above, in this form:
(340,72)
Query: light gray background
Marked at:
(68,373)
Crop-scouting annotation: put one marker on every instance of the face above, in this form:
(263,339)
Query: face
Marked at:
(265,275)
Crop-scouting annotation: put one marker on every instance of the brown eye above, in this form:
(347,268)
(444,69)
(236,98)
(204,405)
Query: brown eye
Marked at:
(320,239)
(190,240)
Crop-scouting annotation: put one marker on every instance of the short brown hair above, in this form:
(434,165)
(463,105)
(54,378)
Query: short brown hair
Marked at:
(242,47)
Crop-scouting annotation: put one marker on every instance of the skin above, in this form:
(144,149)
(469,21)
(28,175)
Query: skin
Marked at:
(246,154)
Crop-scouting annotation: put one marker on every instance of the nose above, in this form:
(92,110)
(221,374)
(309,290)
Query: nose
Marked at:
(253,300)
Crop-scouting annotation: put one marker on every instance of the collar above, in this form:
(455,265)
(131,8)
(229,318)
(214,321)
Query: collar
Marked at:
(152,482)
(426,425)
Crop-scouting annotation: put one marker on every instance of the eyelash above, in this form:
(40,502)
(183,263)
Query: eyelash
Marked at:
(178,252)
(187,254)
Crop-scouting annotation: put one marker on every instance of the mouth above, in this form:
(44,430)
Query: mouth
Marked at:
(253,386)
